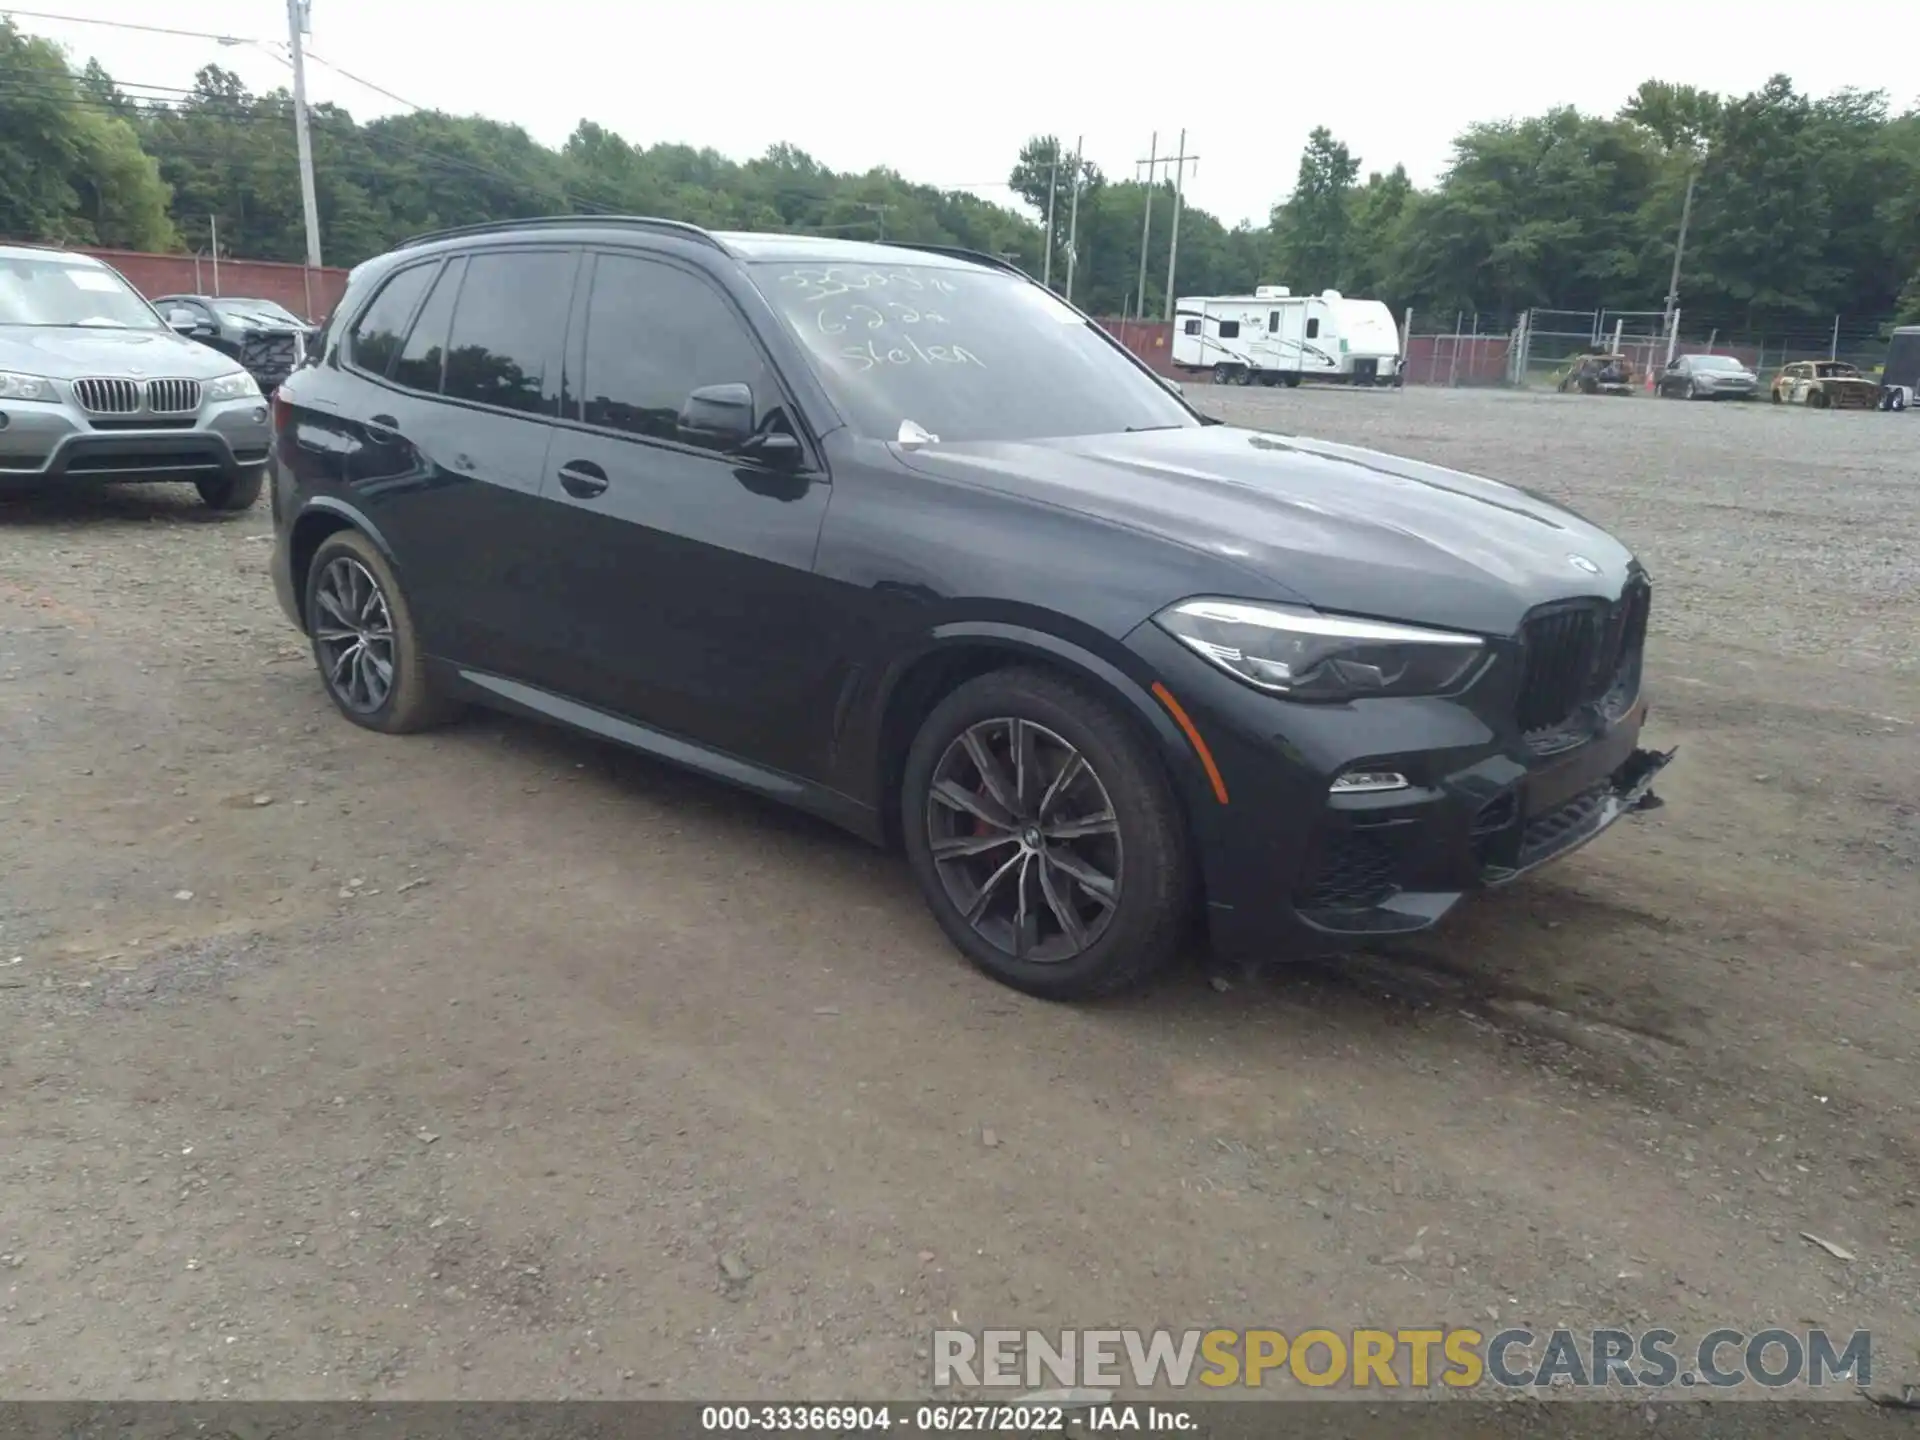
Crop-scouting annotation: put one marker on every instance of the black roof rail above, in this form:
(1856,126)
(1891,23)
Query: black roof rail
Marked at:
(959,252)
(543,222)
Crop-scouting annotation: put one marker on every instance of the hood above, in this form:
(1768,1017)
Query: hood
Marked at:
(1332,526)
(72,352)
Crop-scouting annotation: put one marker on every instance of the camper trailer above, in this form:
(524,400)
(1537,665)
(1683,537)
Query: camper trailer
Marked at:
(1274,337)
(1900,376)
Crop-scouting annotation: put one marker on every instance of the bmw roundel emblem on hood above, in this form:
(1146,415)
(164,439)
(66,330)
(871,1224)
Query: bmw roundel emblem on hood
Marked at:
(1580,562)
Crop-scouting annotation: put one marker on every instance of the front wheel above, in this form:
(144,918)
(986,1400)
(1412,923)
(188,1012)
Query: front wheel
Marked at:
(1045,838)
(232,492)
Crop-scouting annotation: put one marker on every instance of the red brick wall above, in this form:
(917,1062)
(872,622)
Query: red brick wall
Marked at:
(1147,339)
(310,293)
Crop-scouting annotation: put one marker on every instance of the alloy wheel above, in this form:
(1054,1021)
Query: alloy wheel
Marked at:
(1025,840)
(353,632)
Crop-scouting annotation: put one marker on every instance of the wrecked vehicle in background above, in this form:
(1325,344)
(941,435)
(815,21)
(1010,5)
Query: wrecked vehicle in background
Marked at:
(1599,374)
(267,339)
(1824,385)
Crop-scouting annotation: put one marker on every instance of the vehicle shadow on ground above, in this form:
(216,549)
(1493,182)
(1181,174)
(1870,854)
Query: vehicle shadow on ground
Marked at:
(1492,964)
(77,505)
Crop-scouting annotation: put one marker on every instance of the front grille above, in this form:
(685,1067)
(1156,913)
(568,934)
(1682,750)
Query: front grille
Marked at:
(108,397)
(1355,870)
(173,397)
(1563,825)
(114,396)
(1577,653)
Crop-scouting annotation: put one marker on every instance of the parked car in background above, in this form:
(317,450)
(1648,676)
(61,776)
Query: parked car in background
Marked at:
(266,338)
(1900,376)
(95,387)
(899,537)
(1708,377)
(1825,385)
(1598,374)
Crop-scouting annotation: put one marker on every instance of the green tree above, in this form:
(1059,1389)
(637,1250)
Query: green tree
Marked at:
(1312,229)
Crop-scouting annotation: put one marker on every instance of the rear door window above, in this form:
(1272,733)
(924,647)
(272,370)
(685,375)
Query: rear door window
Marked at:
(508,328)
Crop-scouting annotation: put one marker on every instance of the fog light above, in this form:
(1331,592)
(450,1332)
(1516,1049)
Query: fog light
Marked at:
(1355,781)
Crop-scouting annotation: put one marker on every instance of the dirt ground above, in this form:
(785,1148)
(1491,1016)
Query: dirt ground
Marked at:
(494,1063)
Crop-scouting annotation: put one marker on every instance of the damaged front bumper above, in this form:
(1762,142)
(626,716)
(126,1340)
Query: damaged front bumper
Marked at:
(1560,831)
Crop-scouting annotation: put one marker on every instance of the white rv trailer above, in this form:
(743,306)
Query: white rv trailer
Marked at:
(1274,337)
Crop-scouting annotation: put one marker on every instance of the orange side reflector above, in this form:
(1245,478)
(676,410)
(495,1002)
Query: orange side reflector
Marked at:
(1165,697)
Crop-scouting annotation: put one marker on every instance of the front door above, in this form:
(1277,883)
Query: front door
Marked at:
(679,578)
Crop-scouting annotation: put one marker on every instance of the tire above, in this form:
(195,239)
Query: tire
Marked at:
(1817,400)
(1899,400)
(232,493)
(1223,373)
(1775,396)
(1143,853)
(1293,380)
(410,701)
(1693,390)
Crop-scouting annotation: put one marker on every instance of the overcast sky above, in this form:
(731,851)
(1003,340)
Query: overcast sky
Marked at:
(946,92)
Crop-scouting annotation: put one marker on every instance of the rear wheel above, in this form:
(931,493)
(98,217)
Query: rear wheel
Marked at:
(365,641)
(1044,837)
(1223,374)
(1293,380)
(1818,400)
(232,492)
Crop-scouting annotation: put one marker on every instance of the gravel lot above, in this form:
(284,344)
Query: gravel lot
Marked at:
(494,1063)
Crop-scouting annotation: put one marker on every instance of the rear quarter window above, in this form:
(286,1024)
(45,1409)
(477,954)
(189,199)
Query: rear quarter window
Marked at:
(377,335)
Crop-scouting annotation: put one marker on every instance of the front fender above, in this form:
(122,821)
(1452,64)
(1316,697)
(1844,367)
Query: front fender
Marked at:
(1123,681)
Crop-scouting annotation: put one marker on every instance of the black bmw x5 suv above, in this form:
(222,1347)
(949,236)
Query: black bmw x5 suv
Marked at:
(895,535)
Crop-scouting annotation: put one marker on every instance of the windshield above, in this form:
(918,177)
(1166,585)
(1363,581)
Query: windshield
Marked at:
(961,354)
(51,291)
(1716,362)
(253,312)
(1832,370)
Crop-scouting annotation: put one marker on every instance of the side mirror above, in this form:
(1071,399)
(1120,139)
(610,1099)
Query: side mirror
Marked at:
(776,448)
(720,416)
(185,322)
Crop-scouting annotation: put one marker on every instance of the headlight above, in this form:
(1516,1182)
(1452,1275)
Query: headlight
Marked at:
(25,387)
(237,386)
(1305,655)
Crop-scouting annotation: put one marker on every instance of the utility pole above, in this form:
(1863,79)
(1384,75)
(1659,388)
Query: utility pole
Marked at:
(1073,217)
(1146,223)
(1679,249)
(300,22)
(879,216)
(1053,184)
(213,243)
(1179,162)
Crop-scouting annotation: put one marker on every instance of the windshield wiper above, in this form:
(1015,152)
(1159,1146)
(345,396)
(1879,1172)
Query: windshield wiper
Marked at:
(1143,429)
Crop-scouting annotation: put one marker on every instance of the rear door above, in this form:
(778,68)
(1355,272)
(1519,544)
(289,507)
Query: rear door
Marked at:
(451,442)
(678,578)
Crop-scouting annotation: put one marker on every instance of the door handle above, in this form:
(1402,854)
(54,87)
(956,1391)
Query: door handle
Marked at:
(582,479)
(385,429)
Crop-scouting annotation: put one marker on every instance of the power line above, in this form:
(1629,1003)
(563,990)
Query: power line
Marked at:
(130,25)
